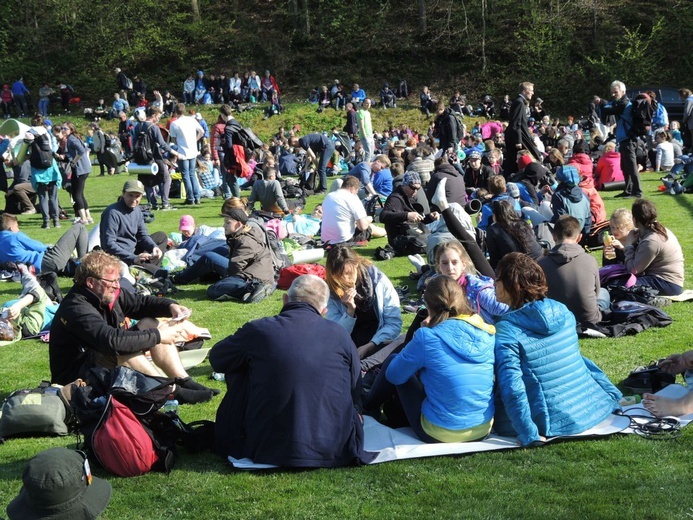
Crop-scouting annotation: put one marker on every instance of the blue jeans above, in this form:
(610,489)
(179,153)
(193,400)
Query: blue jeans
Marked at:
(325,158)
(208,263)
(665,288)
(43,106)
(48,200)
(229,183)
(231,286)
(187,171)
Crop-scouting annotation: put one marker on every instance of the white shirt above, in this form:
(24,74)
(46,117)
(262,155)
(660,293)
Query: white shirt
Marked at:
(340,211)
(184,131)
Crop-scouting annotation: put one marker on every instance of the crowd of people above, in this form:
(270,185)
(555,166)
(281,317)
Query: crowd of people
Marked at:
(493,219)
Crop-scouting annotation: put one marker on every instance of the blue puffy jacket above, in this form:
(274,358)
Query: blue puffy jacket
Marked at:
(569,199)
(546,386)
(455,362)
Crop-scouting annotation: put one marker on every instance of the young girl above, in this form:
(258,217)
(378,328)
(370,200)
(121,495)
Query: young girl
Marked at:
(676,132)
(444,376)
(665,152)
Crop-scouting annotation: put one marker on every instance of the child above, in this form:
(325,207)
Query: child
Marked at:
(665,152)
(208,175)
(676,132)
(33,311)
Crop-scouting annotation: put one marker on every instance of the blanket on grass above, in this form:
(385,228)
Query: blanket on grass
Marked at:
(402,443)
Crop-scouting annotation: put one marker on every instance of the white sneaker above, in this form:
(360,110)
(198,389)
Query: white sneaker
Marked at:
(439,198)
(417,262)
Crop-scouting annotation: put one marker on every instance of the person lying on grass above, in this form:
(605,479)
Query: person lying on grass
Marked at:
(661,406)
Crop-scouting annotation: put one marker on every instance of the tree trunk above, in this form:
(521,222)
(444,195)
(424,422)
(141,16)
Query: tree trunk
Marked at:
(422,15)
(196,10)
(293,10)
(305,21)
(483,36)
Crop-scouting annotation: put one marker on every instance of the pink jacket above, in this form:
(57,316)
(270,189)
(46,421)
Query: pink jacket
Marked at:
(608,169)
(597,208)
(583,163)
(488,130)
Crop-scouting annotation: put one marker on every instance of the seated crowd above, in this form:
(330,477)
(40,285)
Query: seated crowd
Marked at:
(494,343)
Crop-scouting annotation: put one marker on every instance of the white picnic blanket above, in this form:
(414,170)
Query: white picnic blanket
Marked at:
(402,443)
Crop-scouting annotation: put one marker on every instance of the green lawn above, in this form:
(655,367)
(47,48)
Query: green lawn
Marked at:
(620,477)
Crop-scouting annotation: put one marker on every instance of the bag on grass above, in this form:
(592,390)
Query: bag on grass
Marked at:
(36,411)
(289,274)
(648,379)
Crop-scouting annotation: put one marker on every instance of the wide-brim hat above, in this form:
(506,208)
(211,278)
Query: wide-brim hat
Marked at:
(56,487)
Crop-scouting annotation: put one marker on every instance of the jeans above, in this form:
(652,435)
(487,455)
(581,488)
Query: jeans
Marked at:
(325,158)
(43,105)
(629,165)
(192,187)
(188,98)
(208,263)
(603,299)
(665,288)
(369,148)
(55,258)
(227,189)
(48,200)
(231,286)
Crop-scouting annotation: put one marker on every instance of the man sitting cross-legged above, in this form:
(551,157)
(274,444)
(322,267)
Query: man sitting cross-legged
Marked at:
(90,329)
(291,392)
(661,406)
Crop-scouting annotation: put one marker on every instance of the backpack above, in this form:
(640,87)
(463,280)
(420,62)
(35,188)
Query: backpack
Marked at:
(279,257)
(120,442)
(128,83)
(41,156)
(36,411)
(142,150)
(248,139)
(643,110)
(288,274)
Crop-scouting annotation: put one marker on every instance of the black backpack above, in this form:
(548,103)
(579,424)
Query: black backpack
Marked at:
(247,138)
(142,151)
(41,156)
(643,110)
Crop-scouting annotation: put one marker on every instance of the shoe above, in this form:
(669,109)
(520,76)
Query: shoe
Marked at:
(189,203)
(320,192)
(90,220)
(78,220)
(30,211)
(56,223)
(439,198)
(168,207)
(417,262)
(260,292)
(623,195)
(45,225)
(197,202)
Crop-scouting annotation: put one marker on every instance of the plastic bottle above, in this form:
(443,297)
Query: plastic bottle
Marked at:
(630,400)
(218,376)
(171,405)
(608,239)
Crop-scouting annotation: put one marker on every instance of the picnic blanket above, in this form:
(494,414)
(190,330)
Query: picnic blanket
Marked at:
(402,443)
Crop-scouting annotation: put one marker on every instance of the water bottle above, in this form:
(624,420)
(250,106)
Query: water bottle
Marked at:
(609,253)
(218,376)
(630,400)
(171,405)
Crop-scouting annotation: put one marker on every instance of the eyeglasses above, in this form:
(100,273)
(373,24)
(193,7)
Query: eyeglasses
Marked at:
(107,281)
(414,187)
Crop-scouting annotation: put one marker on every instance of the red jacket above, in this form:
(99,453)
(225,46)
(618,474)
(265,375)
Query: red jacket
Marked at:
(215,135)
(608,169)
(597,208)
(583,163)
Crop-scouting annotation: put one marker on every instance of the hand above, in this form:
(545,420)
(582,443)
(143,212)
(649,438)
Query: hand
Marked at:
(157,254)
(677,363)
(616,244)
(170,333)
(413,216)
(349,300)
(13,312)
(632,238)
(179,310)
(142,258)
(434,215)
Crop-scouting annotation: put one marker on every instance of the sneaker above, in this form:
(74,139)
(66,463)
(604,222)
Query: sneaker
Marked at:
(45,225)
(623,195)
(56,223)
(189,203)
(168,207)
(417,262)
(30,211)
(259,293)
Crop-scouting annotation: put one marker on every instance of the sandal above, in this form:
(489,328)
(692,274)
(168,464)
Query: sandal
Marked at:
(402,292)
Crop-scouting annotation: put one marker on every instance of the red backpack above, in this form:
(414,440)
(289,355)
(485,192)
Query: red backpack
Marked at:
(289,274)
(120,442)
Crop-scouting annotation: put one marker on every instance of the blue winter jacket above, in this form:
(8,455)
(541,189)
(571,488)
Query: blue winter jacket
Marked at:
(546,386)
(570,199)
(454,360)
(387,308)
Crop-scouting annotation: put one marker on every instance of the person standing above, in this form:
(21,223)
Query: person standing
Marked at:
(365,127)
(621,107)
(46,181)
(517,134)
(78,155)
(687,120)
(20,92)
(185,132)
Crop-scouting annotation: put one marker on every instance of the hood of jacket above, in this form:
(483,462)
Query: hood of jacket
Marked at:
(568,175)
(565,253)
(448,169)
(540,317)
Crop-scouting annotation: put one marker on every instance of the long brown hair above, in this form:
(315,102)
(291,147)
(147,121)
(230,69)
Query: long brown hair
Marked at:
(645,214)
(338,259)
(522,278)
(445,299)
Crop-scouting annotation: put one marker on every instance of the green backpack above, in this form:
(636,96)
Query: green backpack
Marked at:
(38,411)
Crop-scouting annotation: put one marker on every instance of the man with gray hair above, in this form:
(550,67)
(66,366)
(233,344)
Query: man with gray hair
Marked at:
(621,108)
(292,383)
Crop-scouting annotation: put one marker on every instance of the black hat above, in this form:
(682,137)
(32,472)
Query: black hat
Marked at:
(58,485)
(236,214)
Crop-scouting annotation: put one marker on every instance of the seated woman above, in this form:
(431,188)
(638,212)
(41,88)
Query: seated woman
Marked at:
(546,386)
(510,233)
(362,300)
(653,253)
(444,376)
(608,166)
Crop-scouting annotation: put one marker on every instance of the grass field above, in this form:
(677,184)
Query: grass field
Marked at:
(620,477)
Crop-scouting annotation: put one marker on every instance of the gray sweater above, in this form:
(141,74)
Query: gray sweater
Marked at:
(270,196)
(573,279)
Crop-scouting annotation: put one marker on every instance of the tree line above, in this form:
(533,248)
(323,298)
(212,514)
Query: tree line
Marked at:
(570,49)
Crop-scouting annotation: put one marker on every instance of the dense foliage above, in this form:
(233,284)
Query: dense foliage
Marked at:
(569,48)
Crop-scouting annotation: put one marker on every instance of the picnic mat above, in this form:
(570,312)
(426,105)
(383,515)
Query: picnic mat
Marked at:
(402,443)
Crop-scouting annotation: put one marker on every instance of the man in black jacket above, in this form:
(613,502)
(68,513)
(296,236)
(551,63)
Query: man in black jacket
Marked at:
(291,394)
(517,134)
(403,223)
(447,127)
(91,329)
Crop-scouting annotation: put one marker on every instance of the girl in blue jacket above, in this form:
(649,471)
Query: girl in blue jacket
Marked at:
(547,387)
(444,376)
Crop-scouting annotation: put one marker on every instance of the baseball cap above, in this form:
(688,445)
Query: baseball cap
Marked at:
(187,223)
(198,116)
(513,190)
(474,155)
(411,178)
(57,484)
(133,186)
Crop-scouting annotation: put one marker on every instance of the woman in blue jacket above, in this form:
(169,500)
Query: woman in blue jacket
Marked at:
(444,376)
(546,386)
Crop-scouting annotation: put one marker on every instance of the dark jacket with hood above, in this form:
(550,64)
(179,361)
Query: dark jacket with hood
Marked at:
(568,199)
(394,214)
(446,129)
(249,255)
(290,395)
(572,276)
(455,188)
